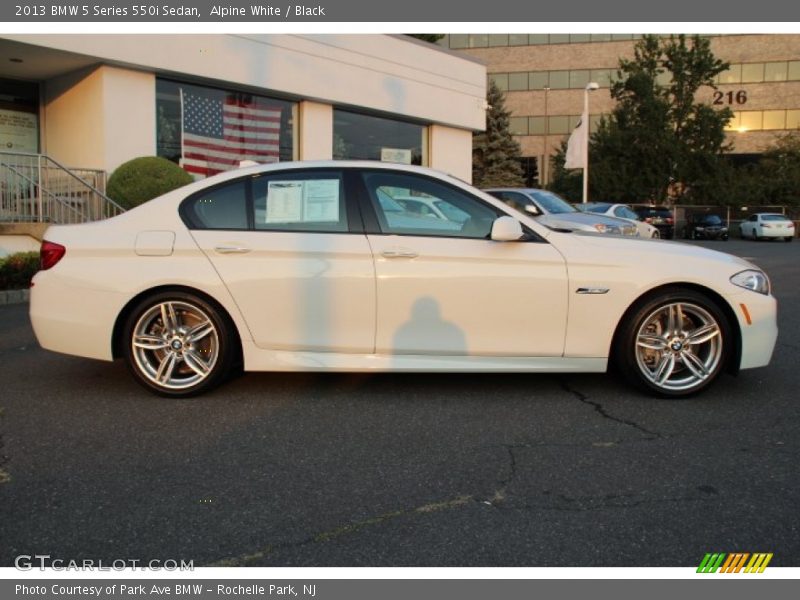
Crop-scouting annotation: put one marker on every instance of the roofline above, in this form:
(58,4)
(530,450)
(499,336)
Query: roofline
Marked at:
(407,38)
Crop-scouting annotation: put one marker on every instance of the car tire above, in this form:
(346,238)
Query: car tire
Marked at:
(755,235)
(788,239)
(178,345)
(655,235)
(673,344)
(692,235)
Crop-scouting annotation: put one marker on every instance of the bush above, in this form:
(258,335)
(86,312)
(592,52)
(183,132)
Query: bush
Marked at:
(17,270)
(143,179)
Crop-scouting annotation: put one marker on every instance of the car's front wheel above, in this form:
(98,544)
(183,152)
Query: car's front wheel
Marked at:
(674,344)
(177,344)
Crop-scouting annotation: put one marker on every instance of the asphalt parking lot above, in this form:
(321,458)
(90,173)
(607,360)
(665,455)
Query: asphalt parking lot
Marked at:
(412,470)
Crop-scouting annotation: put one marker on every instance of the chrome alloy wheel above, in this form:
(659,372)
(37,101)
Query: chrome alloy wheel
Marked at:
(679,346)
(175,345)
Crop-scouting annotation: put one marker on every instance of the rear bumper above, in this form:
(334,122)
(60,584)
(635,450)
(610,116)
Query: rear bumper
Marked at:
(71,319)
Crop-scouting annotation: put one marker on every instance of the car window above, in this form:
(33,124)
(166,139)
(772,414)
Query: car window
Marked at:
(551,203)
(515,200)
(464,215)
(626,213)
(711,220)
(773,218)
(220,207)
(753,218)
(310,201)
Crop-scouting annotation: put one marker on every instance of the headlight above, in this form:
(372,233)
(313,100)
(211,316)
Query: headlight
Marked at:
(603,228)
(752,280)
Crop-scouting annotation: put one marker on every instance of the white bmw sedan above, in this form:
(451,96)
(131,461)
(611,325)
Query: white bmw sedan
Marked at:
(313,267)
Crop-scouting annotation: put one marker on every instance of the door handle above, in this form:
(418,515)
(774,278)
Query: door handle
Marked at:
(398,252)
(231,249)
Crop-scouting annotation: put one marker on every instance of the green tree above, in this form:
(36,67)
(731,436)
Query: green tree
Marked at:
(495,153)
(660,139)
(778,173)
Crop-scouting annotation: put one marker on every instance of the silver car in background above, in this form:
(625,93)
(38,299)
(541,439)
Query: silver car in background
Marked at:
(555,212)
(622,211)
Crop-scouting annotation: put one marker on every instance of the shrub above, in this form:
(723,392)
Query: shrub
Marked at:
(17,270)
(143,179)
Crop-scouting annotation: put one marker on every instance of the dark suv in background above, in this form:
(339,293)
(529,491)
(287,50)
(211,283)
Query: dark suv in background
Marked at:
(659,217)
(705,226)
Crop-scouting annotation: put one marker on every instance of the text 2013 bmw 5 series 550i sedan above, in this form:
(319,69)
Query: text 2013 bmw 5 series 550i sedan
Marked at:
(319,266)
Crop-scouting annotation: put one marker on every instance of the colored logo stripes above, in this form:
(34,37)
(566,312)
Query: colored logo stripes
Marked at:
(734,562)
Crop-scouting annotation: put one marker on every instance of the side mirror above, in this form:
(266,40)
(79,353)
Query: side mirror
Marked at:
(531,208)
(506,229)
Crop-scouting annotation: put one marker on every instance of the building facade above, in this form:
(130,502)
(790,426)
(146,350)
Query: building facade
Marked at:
(544,77)
(207,101)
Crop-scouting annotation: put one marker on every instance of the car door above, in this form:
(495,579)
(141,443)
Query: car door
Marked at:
(294,257)
(445,288)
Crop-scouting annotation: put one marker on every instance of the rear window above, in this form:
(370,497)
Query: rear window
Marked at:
(773,218)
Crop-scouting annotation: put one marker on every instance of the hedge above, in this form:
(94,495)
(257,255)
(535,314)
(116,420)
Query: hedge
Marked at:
(17,270)
(143,179)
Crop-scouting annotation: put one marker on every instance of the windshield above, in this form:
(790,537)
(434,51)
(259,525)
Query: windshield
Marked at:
(711,220)
(550,203)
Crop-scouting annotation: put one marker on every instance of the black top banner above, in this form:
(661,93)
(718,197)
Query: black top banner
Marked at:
(453,11)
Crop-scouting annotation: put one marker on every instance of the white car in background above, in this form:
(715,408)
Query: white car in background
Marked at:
(622,211)
(313,266)
(761,226)
(552,210)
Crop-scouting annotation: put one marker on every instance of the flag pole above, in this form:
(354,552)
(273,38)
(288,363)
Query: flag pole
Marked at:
(180,162)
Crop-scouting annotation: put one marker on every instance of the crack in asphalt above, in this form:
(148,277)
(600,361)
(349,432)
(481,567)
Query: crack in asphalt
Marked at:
(609,501)
(331,534)
(653,435)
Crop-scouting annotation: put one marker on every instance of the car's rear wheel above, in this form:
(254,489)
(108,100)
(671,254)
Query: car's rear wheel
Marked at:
(674,344)
(788,239)
(177,344)
(755,235)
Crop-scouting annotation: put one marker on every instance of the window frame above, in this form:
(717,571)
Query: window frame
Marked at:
(372,224)
(353,217)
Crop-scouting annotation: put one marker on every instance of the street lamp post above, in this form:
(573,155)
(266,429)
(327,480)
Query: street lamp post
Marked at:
(590,87)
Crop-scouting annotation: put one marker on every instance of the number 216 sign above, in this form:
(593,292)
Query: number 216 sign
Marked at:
(737,97)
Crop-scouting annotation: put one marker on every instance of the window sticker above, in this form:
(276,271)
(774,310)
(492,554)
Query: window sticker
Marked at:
(312,201)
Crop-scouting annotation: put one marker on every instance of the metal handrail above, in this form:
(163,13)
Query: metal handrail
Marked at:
(46,191)
(36,187)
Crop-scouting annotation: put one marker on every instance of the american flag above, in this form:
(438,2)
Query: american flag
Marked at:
(218,134)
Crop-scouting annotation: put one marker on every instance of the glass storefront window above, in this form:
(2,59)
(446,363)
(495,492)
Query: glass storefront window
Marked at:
(19,116)
(538,80)
(559,80)
(774,119)
(775,71)
(558,125)
(578,79)
(459,40)
(793,119)
(366,137)
(732,75)
(517,82)
(208,130)
(518,125)
(537,126)
(753,73)
(479,40)
(751,121)
(500,80)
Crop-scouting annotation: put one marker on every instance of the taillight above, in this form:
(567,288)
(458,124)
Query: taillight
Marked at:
(49,254)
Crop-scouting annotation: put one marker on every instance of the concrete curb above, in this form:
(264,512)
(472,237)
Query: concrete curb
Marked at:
(14,296)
